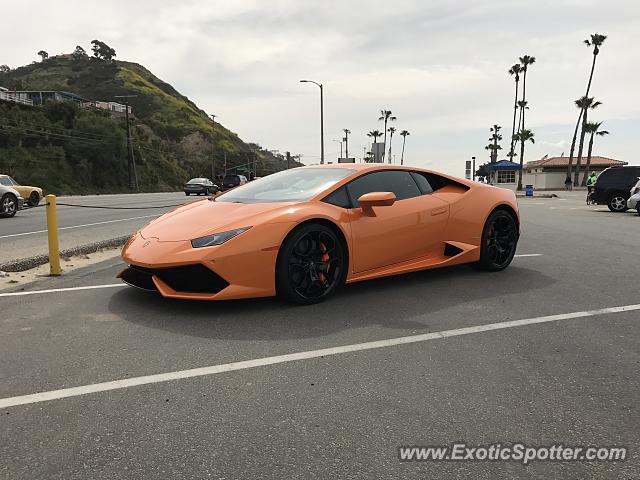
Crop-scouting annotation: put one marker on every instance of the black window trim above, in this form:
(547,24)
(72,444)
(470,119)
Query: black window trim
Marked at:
(350,197)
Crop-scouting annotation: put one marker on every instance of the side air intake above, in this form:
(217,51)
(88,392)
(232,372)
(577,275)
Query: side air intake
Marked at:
(451,250)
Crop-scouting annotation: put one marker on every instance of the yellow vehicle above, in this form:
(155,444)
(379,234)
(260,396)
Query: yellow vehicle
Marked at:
(32,195)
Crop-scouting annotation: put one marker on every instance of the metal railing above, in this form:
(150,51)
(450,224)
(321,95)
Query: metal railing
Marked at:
(12,97)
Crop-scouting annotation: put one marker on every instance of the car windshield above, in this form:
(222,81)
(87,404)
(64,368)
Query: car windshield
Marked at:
(295,185)
(197,180)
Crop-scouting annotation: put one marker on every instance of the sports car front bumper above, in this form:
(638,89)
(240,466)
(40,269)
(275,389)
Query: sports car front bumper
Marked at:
(243,267)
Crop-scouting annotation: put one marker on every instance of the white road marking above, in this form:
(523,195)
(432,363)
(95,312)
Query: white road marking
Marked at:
(293,357)
(69,289)
(80,226)
(528,255)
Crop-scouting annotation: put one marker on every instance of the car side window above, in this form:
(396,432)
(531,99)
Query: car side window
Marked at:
(5,181)
(339,198)
(423,182)
(400,182)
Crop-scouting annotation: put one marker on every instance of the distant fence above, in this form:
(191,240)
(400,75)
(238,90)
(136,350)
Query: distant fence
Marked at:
(12,97)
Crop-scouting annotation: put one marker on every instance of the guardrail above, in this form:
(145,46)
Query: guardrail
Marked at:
(11,97)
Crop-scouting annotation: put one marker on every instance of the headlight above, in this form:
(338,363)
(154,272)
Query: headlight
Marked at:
(636,190)
(217,238)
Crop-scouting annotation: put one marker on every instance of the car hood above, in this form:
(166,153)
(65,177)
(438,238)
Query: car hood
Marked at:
(206,217)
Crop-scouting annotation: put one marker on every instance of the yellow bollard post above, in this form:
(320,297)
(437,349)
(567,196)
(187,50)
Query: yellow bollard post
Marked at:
(52,233)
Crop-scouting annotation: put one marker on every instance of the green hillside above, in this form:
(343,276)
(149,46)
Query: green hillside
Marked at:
(69,149)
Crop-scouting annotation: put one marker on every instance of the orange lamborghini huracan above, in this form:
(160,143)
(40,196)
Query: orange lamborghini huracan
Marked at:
(303,232)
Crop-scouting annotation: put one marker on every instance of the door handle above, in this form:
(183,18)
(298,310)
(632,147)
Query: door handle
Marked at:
(438,211)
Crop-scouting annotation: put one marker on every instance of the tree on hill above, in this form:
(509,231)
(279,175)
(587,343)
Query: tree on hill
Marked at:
(79,52)
(43,54)
(4,68)
(102,51)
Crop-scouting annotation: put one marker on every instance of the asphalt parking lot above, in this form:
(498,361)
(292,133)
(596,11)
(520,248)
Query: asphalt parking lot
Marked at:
(343,413)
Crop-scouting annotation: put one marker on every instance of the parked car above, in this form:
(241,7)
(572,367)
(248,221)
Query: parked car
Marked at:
(10,201)
(32,195)
(232,181)
(200,186)
(634,199)
(613,187)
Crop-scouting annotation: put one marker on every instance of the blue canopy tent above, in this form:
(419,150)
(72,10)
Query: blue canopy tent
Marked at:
(503,173)
(503,165)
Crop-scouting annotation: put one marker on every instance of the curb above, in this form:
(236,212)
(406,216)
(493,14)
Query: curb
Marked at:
(539,195)
(31,262)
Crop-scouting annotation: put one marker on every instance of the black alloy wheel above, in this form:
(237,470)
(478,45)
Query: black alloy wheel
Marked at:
(311,265)
(34,199)
(499,241)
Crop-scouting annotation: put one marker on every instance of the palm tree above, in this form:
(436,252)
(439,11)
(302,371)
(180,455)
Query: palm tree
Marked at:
(374,134)
(404,134)
(346,141)
(584,104)
(514,70)
(386,116)
(596,42)
(391,130)
(523,136)
(525,61)
(493,142)
(593,129)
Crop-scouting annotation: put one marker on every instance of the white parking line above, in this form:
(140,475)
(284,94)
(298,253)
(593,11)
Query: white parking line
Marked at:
(293,357)
(55,290)
(80,226)
(528,255)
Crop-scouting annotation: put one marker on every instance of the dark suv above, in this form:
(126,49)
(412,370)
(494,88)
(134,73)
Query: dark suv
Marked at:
(231,181)
(613,187)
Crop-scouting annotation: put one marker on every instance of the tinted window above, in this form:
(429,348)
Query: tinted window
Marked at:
(198,180)
(339,198)
(399,182)
(423,183)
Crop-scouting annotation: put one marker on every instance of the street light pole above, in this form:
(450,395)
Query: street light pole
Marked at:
(321,117)
(473,169)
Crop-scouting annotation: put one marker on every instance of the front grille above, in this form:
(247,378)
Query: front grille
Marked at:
(137,277)
(187,278)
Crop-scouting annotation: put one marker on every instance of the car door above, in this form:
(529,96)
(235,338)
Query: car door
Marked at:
(410,228)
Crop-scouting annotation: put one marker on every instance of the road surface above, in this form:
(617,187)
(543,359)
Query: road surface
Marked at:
(25,234)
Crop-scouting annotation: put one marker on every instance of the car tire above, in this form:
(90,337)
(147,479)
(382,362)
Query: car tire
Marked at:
(34,199)
(8,205)
(617,203)
(499,241)
(311,264)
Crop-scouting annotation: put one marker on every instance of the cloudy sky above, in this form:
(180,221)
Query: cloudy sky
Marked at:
(440,66)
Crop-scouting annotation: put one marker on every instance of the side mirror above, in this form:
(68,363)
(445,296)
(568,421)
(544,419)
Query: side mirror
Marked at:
(375,199)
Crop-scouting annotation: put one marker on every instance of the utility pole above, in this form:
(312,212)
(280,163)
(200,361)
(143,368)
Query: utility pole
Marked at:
(213,165)
(288,160)
(133,177)
(346,141)
(225,163)
(473,169)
